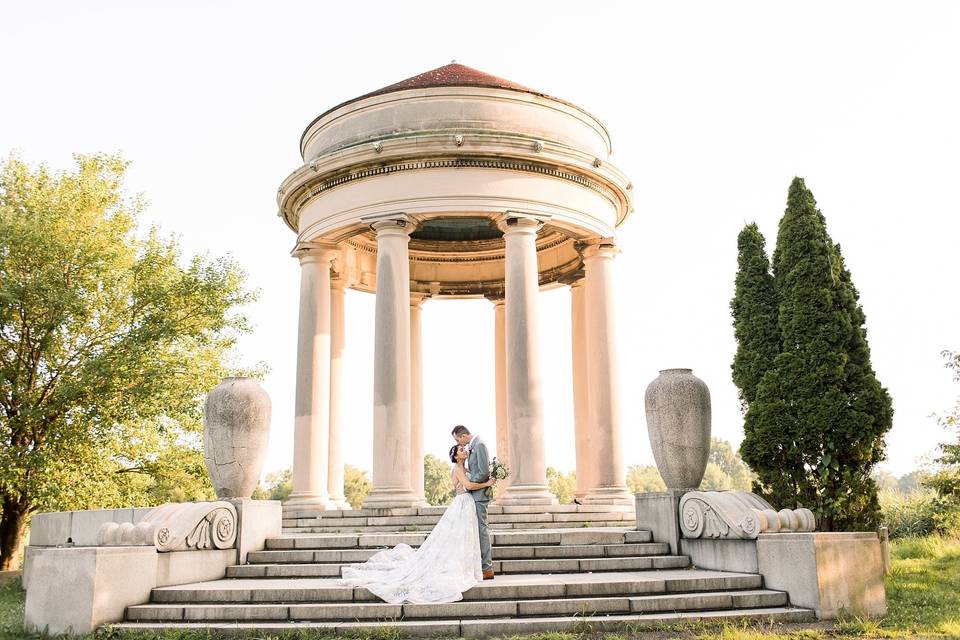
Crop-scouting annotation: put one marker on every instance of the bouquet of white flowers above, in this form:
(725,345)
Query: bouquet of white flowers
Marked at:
(498,471)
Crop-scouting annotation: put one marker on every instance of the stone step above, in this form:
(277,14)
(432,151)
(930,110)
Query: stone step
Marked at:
(499,553)
(504,587)
(429,520)
(541,565)
(504,526)
(600,536)
(750,599)
(474,627)
(494,509)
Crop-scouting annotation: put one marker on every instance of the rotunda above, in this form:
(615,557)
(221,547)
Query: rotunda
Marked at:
(450,184)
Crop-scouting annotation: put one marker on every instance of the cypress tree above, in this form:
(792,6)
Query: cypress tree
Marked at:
(754,310)
(815,429)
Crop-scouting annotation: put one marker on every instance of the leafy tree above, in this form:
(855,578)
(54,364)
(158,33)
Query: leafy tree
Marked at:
(754,310)
(815,429)
(725,470)
(910,482)
(276,486)
(562,485)
(108,345)
(714,479)
(356,485)
(644,479)
(728,463)
(946,481)
(437,485)
(884,480)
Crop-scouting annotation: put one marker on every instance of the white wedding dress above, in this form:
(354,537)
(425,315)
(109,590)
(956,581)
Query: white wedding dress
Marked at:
(445,566)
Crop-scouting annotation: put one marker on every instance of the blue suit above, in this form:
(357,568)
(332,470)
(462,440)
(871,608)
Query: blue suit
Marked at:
(478,462)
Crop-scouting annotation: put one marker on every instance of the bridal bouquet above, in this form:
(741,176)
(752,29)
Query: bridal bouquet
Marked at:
(498,471)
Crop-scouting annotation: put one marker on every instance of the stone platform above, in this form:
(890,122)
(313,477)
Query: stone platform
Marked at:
(556,570)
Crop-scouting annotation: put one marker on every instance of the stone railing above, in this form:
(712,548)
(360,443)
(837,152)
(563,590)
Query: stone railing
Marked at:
(189,526)
(737,515)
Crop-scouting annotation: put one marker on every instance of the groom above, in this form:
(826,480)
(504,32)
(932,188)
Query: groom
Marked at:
(478,470)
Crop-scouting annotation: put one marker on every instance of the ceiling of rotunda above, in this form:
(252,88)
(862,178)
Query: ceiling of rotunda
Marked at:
(457,230)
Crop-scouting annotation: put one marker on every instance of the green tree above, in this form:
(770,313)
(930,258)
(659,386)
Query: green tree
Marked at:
(644,479)
(735,471)
(754,310)
(910,482)
(815,429)
(884,480)
(562,485)
(714,479)
(946,480)
(108,345)
(356,485)
(276,486)
(437,485)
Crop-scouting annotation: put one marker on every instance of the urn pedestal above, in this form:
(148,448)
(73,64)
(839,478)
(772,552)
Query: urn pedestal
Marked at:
(236,429)
(678,423)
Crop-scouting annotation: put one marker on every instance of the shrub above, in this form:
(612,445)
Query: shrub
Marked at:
(908,514)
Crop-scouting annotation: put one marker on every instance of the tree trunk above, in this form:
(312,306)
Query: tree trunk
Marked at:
(13,521)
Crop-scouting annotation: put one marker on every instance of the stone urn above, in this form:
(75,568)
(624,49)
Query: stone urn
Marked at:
(236,429)
(678,422)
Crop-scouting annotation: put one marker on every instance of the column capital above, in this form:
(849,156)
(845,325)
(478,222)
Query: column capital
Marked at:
(513,222)
(338,282)
(574,278)
(497,299)
(392,224)
(315,252)
(417,299)
(598,248)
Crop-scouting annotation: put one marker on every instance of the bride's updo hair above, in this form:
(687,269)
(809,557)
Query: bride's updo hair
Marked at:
(453,453)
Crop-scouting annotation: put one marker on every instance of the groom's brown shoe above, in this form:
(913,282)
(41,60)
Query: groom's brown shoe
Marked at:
(488,574)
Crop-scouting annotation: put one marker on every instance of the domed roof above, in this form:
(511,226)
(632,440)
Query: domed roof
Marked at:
(451,75)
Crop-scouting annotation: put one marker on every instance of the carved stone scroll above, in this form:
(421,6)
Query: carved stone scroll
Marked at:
(187,526)
(737,515)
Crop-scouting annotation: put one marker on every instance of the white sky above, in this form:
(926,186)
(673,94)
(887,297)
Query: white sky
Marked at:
(713,108)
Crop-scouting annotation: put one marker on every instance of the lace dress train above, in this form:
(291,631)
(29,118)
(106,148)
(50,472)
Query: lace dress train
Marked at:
(445,566)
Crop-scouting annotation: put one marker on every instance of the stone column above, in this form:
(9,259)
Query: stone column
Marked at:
(312,404)
(335,468)
(416,396)
(391,368)
(524,393)
(607,472)
(581,416)
(500,368)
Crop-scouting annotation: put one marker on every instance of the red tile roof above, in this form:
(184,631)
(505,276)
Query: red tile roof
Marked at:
(452,75)
(449,75)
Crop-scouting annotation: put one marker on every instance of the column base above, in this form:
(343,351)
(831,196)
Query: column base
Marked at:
(524,494)
(608,495)
(311,501)
(341,502)
(392,498)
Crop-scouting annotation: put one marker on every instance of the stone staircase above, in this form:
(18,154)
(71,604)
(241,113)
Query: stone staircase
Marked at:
(558,568)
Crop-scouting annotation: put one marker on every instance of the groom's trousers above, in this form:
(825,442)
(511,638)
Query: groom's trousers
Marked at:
(486,561)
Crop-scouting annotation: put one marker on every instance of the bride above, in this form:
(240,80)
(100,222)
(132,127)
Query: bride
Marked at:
(447,563)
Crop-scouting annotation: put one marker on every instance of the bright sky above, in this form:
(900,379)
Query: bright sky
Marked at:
(713,108)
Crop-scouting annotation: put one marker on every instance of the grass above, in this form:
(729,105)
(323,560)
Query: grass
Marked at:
(11,609)
(923,597)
